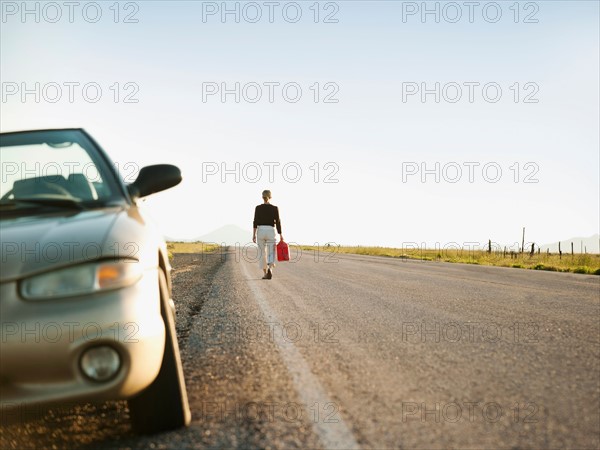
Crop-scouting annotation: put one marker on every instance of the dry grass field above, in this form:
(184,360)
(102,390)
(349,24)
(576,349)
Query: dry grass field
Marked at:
(190,247)
(577,263)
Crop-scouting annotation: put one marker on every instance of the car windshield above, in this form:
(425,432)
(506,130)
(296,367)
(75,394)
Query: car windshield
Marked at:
(54,169)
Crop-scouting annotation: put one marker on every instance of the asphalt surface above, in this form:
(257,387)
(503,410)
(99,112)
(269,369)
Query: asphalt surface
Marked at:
(366,352)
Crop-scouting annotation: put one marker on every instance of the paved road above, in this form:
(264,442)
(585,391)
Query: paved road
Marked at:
(367,352)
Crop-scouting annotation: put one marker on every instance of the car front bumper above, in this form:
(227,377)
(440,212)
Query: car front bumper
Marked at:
(42,343)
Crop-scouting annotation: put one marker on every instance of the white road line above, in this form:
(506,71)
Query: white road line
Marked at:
(334,435)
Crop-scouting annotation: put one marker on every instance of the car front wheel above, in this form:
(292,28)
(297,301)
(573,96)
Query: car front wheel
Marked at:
(164,404)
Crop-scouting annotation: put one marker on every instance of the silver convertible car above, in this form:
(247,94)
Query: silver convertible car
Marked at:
(86,311)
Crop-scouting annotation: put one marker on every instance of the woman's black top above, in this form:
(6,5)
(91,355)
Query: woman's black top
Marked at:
(267,214)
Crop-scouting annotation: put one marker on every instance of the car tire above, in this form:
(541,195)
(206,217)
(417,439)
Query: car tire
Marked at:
(163,405)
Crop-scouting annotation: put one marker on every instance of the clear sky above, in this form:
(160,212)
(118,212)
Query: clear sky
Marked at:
(516,110)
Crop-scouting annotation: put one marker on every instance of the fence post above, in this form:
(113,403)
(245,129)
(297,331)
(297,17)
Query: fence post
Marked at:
(559,251)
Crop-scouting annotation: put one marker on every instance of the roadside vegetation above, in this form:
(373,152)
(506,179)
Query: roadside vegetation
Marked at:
(190,247)
(576,263)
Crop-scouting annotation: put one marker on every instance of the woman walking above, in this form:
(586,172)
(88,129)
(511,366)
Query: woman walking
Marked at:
(266,219)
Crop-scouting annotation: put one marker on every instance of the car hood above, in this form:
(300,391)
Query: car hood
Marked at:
(35,244)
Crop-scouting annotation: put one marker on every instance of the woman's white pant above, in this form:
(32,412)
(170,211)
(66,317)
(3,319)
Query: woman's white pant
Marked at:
(265,238)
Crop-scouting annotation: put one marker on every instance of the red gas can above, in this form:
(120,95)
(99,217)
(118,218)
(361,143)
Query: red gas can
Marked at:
(283,251)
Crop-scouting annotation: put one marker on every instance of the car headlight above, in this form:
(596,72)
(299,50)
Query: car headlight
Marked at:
(82,279)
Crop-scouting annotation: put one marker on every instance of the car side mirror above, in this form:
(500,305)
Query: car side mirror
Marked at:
(152,179)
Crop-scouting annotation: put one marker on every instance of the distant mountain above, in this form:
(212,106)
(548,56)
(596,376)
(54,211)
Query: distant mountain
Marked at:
(228,234)
(592,243)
